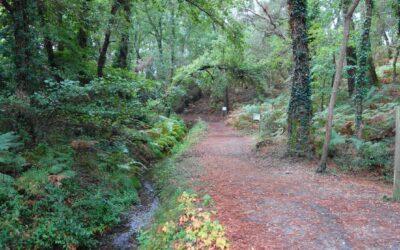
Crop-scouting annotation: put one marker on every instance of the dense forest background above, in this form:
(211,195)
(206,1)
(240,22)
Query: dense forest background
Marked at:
(89,91)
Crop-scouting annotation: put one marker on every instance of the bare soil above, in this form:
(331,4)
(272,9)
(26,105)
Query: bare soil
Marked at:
(268,201)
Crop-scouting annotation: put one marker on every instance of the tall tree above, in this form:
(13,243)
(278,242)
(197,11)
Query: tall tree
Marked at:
(173,41)
(22,13)
(82,36)
(48,44)
(103,52)
(157,24)
(123,52)
(351,53)
(300,108)
(363,67)
(338,75)
(397,11)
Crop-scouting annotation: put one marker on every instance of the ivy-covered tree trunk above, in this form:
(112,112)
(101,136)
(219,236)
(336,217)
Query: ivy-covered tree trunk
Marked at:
(299,113)
(123,51)
(351,69)
(23,13)
(363,67)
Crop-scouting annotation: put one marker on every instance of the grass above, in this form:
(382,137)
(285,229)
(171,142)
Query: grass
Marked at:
(183,220)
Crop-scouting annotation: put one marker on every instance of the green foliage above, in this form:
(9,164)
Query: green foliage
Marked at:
(10,160)
(68,195)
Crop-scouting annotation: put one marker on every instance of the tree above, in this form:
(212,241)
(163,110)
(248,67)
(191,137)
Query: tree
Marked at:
(123,51)
(351,55)
(299,113)
(338,75)
(23,14)
(363,67)
(397,11)
(103,52)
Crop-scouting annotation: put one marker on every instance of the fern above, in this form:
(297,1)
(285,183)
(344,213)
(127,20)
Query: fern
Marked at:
(9,141)
(10,161)
(336,139)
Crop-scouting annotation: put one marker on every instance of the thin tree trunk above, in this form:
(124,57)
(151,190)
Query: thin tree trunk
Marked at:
(387,43)
(395,58)
(173,38)
(48,44)
(60,44)
(103,52)
(396,179)
(299,112)
(226,98)
(137,42)
(339,69)
(334,67)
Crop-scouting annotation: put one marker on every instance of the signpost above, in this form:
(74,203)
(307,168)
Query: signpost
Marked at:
(257,118)
(224,111)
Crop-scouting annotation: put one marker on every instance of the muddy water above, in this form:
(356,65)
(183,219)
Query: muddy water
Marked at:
(124,236)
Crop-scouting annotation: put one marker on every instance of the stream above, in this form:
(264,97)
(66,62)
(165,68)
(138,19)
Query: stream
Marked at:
(123,236)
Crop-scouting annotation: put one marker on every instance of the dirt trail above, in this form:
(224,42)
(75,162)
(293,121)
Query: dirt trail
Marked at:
(270,202)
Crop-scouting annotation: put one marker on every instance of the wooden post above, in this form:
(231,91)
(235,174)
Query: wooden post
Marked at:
(396,182)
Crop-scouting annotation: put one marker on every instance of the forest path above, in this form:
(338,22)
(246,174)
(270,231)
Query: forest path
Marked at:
(268,201)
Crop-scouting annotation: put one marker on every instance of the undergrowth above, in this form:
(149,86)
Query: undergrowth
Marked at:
(184,220)
(70,169)
(373,152)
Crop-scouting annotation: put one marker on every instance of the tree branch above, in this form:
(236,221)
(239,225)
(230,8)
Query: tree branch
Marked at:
(270,19)
(207,12)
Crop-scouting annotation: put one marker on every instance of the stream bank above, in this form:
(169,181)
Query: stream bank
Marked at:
(124,236)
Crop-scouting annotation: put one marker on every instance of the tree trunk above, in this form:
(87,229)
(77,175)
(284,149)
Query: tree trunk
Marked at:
(334,67)
(396,178)
(387,43)
(226,98)
(123,52)
(364,65)
(173,38)
(136,44)
(103,52)
(395,58)
(122,58)
(82,37)
(397,6)
(338,76)
(48,44)
(372,72)
(24,45)
(351,69)
(299,112)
